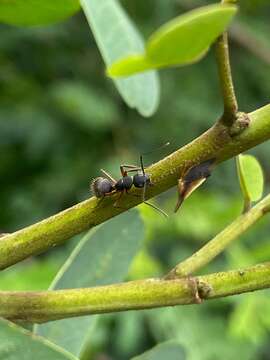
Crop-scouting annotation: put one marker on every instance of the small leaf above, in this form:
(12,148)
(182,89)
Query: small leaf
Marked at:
(102,257)
(183,40)
(246,316)
(170,350)
(36,12)
(250,177)
(117,37)
(18,343)
(187,37)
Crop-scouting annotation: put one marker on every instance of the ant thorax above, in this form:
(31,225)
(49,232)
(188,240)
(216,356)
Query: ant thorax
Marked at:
(125,183)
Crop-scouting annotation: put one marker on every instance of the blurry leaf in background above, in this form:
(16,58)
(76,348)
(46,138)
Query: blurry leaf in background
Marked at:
(129,326)
(17,343)
(250,318)
(116,37)
(205,213)
(252,35)
(102,257)
(200,338)
(238,255)
(181,41)
(84,105)
(36,12)
(250,177)
(35,275)
(170,350)
(144,266)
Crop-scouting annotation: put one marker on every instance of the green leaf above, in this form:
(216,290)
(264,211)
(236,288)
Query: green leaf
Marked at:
(188,327)
(36,12)
(170,350)
(85,105)
(183,40)
(250,177)
(35,275)
(117,37)
(186,38)
(144,266)
(18,343)
(247,319)
(102,257)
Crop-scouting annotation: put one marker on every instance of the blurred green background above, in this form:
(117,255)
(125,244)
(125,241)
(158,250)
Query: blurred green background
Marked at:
(61,120)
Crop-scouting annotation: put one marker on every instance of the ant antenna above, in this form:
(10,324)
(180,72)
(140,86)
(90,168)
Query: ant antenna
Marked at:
(150,152)
(144,188)
(160,147)
(142,167)
(156,208)
(152,205)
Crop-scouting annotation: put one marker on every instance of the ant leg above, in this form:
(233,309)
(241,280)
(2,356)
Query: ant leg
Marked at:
(152,205)
(115,204)
(131,194)
(120,196)
(135,169)
(130,167)
(143,193)
(108,176)
(104,196)
(156,208)
(100,201)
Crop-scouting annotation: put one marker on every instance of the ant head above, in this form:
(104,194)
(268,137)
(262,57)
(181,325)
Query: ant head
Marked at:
(101,186)
(140,180)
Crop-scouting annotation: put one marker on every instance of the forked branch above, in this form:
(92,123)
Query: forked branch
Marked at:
(216,143)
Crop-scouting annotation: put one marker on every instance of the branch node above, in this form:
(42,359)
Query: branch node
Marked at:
(193,282)
(204,289)
(241,122)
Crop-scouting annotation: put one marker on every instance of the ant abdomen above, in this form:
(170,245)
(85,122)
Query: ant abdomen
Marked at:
(101,186)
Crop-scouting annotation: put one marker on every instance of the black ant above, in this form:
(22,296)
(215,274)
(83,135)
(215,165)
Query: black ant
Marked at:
(107,186)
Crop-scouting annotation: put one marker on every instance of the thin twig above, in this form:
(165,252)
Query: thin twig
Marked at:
(144,294)
(219,243)
(226,82)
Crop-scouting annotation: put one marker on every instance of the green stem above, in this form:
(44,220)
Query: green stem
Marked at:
(52,305)
(226,82)
(215,143)
(221,241)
